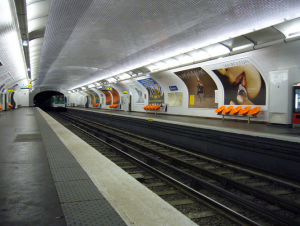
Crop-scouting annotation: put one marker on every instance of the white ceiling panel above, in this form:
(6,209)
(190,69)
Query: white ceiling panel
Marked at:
(92,40)
(38,9)
(35,48)
(11,51)
(36,24)
(37,41)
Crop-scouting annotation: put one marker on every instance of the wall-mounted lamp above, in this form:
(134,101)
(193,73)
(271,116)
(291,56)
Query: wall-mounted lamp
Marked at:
(25,43)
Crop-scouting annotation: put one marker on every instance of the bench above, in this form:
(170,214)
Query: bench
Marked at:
(154,107)
(113,106)
(238,111)
(95,105)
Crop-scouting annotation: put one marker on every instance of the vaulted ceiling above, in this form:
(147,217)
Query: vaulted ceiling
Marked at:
(74,43)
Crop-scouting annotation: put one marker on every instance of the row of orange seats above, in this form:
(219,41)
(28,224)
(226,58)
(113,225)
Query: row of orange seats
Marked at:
(152,107)
(95,105)
(238,110)
(113,105)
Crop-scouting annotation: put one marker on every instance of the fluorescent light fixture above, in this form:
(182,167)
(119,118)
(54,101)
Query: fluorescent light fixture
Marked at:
(91,86)
(242,47)
(184,58)
(100,87)
(172,62)
(69,91)
(83,88)
(97,83)
(28,69)
(124,76)
(152,67)
(216,50)
(289,28)
(111,80)
(198,54)
(161,65)
(147,74)
(294,34)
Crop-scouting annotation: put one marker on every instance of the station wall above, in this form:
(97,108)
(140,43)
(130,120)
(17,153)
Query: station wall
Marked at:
(266,60)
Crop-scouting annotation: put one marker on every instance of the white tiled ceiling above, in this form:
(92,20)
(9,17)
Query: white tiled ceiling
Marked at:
(11,52)
(90,40)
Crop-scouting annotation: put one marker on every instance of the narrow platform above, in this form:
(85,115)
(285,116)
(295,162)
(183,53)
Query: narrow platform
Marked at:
(28,195)
(242,127)
(84,188)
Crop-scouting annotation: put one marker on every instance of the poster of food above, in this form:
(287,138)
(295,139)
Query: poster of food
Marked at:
(108,97)
(97,99)
(242,82)
(91,96)
(116,96)
(201,86)
(155,92)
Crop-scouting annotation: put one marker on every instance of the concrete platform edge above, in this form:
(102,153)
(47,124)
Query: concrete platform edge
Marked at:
(134,202)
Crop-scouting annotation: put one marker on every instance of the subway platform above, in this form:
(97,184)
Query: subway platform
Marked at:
(49,176)
(228,126)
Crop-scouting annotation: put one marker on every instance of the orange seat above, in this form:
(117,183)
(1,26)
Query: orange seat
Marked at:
(254,111)
(227,110)
(9,105)
(236,110)
(146,107)
(95,105)
(157,107)
(113,105)
(220,109)
(245,110)
(1,108)
(152,107)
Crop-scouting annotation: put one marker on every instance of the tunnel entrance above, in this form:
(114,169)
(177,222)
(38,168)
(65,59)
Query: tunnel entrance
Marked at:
(43,99)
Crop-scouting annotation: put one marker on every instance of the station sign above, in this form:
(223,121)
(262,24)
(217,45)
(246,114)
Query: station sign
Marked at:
(106,88)
(173,88)
(125,91)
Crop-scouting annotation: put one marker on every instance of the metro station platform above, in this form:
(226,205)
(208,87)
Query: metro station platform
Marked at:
(49,176)
(227,126)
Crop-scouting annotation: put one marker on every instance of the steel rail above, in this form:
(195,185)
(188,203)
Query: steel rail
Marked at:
(292,206)
(217,206)
(196,180)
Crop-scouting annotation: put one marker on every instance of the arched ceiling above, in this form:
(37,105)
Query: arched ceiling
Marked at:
(74,44)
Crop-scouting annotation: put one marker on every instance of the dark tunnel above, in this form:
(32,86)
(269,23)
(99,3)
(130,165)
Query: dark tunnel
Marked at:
(42,99)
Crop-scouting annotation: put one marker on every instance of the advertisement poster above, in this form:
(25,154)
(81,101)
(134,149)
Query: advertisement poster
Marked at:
(242,82)
(200,85)
(91,96)
(138,94)
(108,97)
(115,95)
(97,99)
(171,99)
(175,99)
(155,92)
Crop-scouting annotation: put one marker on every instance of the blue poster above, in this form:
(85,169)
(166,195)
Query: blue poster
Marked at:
(155,92)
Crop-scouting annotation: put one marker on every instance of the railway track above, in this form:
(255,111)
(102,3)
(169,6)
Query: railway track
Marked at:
(258,198)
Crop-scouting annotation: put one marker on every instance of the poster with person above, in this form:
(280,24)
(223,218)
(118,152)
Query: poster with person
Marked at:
(155,92)
(201,87)
(137,93)
(242,82)
(97,99)
(116,96)
(107,97)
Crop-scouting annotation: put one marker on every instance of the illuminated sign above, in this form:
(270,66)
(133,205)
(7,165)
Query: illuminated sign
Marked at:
(125,91)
